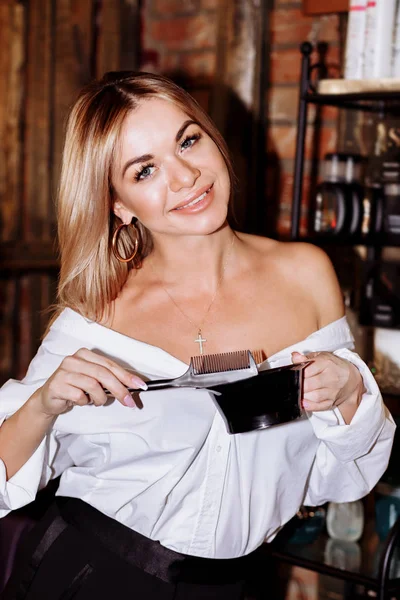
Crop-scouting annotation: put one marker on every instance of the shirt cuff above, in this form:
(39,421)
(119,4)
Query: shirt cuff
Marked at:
(349,442)
(22,487)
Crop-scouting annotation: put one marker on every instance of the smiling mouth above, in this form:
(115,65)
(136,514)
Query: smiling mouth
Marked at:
(196,200)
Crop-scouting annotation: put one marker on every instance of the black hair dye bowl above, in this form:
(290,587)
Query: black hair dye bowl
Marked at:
(270,398)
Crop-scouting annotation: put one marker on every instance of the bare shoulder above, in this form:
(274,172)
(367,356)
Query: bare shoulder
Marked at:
(309,269)
(312,269)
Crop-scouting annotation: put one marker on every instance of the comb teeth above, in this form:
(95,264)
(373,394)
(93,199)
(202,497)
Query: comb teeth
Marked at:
(214,363)
(259,356)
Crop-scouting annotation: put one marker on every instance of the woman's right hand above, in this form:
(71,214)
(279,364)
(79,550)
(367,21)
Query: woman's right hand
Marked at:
(81,379)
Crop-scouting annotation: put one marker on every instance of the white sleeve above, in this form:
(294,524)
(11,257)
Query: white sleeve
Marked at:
(51,457)
(351,458)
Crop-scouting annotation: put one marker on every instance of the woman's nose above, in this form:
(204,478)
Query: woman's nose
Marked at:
(181,174)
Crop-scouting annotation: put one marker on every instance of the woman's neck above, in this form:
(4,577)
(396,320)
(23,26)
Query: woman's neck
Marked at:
(181,261)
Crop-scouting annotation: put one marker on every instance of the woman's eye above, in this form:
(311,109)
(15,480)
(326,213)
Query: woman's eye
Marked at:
(144,173)
(190,141)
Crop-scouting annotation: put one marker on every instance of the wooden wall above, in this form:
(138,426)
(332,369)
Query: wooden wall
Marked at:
(49,50)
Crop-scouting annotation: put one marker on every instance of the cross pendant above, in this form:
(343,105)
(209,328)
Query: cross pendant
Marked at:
(200,341)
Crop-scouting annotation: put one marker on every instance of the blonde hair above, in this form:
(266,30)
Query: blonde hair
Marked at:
(90,275)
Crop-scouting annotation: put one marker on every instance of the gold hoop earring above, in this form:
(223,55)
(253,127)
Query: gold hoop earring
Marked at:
(114,243)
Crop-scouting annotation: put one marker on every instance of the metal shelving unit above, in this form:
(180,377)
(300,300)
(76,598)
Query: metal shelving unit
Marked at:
(375,572)
(371,101)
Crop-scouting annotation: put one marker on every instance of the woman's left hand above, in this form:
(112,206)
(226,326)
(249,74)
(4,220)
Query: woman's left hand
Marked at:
(330,381)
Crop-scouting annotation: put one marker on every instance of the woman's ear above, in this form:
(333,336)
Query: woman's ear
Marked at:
(123,213)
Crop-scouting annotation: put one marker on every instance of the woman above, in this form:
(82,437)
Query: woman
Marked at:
(152,274)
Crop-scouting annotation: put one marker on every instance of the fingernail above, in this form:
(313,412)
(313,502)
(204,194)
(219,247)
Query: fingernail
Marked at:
(128,401)
(306,404)
(139,383)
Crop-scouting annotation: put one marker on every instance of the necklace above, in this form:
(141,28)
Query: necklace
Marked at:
(200,340)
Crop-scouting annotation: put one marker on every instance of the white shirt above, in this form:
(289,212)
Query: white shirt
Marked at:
(172,472)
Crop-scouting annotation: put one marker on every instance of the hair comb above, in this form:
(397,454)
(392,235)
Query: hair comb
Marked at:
(208,370)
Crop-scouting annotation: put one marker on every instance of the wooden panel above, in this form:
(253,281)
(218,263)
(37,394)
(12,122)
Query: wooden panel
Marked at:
(129,35)
(318,7)
(108,50)
(237,101)
(118,38)
(8,301)
(12,56)
(50,49)
(38,115)
(25,319)
(73,35)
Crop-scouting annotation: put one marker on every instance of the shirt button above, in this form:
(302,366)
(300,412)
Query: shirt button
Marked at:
(218,448)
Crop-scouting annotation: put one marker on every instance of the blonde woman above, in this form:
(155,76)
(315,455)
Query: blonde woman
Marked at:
(156,499)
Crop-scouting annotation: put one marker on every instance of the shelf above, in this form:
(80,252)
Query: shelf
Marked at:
(350,561)
(371,95)
(359,87)
(375,102)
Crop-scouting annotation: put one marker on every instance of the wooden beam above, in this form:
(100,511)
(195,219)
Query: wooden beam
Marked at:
(26,256)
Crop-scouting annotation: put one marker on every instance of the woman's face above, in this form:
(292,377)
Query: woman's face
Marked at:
(169,174)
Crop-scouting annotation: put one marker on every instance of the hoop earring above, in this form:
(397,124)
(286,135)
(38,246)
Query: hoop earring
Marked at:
(114,243)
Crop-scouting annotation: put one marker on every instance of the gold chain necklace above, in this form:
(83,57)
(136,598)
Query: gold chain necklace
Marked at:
(200,340)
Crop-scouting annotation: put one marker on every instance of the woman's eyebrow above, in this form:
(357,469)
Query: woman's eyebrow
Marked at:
(134,161)
(182,129)
(147,157)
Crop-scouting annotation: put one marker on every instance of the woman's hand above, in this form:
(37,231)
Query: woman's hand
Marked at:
(81,379)
(330,381)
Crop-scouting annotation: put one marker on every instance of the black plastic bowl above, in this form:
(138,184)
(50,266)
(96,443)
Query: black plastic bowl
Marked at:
(270,398)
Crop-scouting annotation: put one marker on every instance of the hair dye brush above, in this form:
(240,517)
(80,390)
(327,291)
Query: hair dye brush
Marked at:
(208,370)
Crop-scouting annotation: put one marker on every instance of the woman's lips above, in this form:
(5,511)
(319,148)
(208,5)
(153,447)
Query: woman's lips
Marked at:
(199,203)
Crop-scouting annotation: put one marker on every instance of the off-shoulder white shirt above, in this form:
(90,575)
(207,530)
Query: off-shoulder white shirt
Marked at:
(172,472)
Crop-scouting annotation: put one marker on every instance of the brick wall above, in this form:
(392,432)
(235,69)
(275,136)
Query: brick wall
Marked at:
(179,40)
(288,28)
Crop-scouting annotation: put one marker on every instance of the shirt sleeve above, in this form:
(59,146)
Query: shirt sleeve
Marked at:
(51,457)
(351,458)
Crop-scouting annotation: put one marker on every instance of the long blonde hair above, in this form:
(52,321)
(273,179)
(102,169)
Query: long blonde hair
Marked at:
(90,276)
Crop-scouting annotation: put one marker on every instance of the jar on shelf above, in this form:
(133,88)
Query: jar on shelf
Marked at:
(339,197)
(345,520)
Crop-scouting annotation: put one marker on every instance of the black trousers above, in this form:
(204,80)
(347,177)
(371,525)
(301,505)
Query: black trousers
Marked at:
(62,558)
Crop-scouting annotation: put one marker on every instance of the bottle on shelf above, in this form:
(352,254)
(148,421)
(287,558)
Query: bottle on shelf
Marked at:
(354,57)
(379,29)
